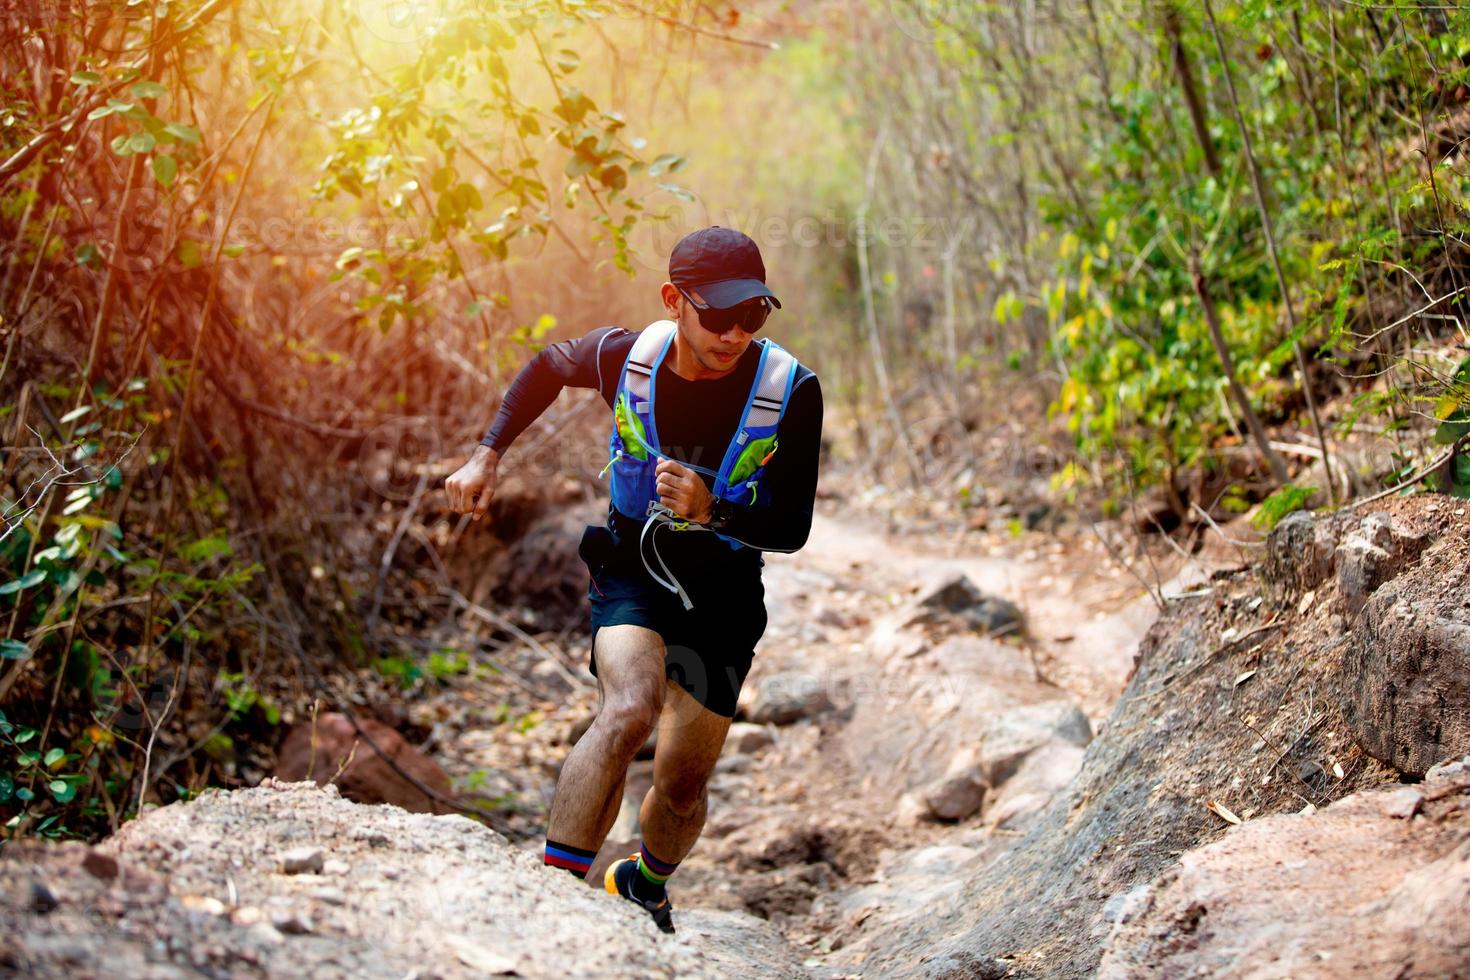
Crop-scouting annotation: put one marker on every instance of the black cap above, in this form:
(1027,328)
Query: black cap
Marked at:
(724,265)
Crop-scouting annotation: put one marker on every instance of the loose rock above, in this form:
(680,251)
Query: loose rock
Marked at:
(955,797)
(786,698)
(959,598)
(319,751)
(300,860)
(746,737)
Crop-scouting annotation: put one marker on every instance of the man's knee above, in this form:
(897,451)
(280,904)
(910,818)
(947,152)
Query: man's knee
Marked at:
(629,718)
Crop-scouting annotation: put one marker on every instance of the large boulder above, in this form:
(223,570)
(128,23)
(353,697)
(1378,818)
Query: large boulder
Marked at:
(1052,734)
(1300,552)
(1375,552)
(331,750)
(1406,677)
(194,889)
(1377,884)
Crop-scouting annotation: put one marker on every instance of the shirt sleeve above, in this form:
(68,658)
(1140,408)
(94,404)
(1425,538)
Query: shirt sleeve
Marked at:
(790,480)
(592,361)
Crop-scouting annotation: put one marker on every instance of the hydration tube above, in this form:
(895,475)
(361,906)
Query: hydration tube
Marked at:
(658,516)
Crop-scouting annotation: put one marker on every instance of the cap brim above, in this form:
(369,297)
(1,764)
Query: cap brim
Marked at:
(732,292)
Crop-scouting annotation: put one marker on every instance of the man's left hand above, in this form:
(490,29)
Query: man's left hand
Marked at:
(681,490)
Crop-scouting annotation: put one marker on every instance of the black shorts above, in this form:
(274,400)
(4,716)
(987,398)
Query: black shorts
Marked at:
(708,649)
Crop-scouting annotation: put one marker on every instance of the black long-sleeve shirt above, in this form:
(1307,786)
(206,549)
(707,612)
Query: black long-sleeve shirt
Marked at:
(696,421)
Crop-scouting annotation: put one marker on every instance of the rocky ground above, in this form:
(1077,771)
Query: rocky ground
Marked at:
(946,766)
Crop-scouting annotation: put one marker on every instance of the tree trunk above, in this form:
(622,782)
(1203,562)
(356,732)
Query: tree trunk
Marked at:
(1242,401)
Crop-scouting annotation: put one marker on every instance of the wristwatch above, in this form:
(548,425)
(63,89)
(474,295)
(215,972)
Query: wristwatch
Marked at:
(720,513)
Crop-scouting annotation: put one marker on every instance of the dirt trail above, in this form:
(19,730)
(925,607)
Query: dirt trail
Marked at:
(924,799)
(799,826)
(808,817)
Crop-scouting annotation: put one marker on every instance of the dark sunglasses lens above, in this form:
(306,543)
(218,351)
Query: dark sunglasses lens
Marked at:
(749,318)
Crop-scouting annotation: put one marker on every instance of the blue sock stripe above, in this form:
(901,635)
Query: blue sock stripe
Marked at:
(570,855)
(662,868)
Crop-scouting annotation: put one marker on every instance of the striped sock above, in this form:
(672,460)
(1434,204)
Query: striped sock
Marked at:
(653,874)
(575,859)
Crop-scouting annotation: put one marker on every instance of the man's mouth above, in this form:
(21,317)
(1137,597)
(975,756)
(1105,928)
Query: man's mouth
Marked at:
(727,358)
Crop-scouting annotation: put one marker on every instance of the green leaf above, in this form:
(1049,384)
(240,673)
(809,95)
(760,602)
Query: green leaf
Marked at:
(1452,431)
(7,786)
(63,791)
(677,191)
(574,106)
(14,650)
(53,756)
(666,162)
(148,90)
(579,165)
(143,142)
(180,131)
(204,549)
(75,413)
(24,795)
(34,577)
(85,77)
(165,168)
(189,255)
(1288,499)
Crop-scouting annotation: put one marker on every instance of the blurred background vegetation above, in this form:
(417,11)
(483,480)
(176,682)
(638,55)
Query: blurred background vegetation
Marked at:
(266,266)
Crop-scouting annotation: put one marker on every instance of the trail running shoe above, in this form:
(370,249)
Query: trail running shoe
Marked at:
(618,880)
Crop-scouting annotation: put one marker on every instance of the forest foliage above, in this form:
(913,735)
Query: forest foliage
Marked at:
(265,264)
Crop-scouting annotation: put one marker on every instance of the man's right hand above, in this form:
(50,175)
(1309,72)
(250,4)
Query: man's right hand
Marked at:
(473,484)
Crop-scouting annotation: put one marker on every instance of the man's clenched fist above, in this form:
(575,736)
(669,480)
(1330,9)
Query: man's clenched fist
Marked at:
(473,484)
(681,490)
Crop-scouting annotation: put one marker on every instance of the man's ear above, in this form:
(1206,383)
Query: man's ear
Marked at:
(670,295)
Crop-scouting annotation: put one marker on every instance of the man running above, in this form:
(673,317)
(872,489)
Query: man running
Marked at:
(712,460)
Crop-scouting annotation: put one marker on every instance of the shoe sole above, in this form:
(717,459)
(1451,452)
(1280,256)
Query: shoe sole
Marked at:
(610,883)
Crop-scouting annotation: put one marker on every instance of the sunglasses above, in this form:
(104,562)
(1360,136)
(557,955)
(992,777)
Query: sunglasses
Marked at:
(748,317)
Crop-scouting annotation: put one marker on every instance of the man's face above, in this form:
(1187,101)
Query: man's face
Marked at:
(714,352)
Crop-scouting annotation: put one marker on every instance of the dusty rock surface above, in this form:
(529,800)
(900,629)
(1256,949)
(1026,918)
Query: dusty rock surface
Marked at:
(1100,779)
(1375,885)
(196,889)
(1239,705)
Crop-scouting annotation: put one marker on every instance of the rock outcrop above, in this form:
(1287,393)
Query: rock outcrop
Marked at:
(1339,669)
(330,749)
(201,889)
(1406,678)
(1375,885)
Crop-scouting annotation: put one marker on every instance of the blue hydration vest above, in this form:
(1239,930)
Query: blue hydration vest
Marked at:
(633,445)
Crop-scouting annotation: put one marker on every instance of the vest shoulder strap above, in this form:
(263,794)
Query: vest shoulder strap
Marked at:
(768,401)
(638,369)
